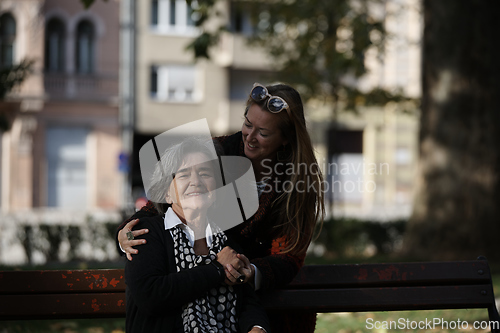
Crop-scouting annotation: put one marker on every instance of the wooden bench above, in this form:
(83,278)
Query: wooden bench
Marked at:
(317,288)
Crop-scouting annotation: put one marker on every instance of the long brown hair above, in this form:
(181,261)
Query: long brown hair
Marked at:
(299,209)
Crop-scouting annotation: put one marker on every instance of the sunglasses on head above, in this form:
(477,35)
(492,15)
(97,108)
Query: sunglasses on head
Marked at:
(275,104)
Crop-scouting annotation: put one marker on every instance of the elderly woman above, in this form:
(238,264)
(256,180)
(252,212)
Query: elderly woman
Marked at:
(177,283)
(275,239)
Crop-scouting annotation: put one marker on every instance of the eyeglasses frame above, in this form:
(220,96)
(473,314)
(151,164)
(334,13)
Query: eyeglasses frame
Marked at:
(285,104)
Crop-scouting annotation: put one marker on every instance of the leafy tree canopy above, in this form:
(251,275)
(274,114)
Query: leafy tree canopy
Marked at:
(11,77)
(14,75)
(88,3)
(317,45)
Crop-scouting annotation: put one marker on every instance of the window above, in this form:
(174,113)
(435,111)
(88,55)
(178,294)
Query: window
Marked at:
(242,80)
(175,83)
(240,19)
(172,16)
(154,13)
(54,46)
(85,44)
(67,167)
(346,168)
(7,39)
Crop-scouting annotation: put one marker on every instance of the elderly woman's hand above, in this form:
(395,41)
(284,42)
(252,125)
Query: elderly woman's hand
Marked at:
(234,273)
(230,260)
(125,243)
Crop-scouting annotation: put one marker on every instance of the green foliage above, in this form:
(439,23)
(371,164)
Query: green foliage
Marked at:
(202,11)
(88,3)
(26,236)
(74,237)
(47,240)
(53,235)
(350,237)
(318,46)
(12,76)
(377,96)
(202,44)
(354,322)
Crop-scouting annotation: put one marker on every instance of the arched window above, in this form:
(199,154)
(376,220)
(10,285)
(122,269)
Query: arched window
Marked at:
(7,39)
(54,45)
(85,46)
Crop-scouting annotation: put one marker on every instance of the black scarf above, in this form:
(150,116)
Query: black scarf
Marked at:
(215,311)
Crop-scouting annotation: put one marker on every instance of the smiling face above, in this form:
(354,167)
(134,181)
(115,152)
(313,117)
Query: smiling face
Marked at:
(262,137)
(193,185)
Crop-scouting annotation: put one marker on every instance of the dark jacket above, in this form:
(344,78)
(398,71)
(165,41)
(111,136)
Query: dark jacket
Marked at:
(156,292)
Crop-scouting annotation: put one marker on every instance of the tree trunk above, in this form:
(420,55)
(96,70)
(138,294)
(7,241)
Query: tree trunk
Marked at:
(457,206)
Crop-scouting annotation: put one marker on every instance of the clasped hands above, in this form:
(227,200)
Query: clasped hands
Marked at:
(235,265)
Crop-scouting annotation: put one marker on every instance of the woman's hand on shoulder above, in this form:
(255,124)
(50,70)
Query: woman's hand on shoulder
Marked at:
(127,244)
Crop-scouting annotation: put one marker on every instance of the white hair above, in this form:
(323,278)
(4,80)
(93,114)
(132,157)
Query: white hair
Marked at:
(171,161)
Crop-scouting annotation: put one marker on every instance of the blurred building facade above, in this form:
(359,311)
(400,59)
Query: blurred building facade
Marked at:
(173,89)
(61,152)
(375,153)
(60,160)
(63,149)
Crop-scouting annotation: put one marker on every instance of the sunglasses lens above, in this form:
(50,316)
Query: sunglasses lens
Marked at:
(258,93)
(276,104)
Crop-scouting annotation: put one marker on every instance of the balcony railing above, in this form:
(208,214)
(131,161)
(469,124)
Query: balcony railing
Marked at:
(89,87)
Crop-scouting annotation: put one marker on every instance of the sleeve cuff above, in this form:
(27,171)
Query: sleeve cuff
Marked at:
(257,278)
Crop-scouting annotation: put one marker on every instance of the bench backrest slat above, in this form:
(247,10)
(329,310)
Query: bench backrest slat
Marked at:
(379,299)
(397,274)
(55,306)
(77,281)
(316,300)
(311,276)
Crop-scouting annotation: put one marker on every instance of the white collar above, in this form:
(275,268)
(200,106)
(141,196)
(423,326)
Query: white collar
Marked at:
(171,220)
